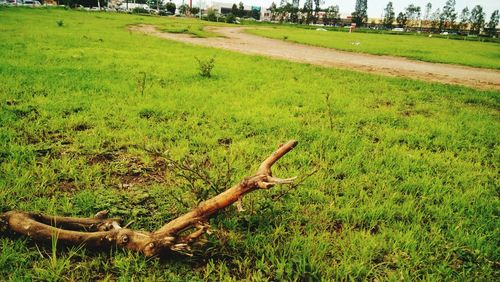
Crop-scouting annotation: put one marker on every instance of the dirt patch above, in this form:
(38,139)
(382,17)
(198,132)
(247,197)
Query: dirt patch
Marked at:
(101,158)
(336,227)
(226,142)
(234,39)
(67,185)
(82,126)
(126,170)
(135,172)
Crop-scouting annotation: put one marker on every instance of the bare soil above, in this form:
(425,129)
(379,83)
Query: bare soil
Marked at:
(235,39)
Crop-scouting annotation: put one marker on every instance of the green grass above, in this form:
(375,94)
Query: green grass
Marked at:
(407,172)
(189,26)
(439,50)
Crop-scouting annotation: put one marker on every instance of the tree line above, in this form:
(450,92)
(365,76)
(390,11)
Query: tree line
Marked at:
(442,19)
(311,12)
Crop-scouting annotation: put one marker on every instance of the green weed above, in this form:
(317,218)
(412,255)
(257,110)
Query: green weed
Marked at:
(205,66)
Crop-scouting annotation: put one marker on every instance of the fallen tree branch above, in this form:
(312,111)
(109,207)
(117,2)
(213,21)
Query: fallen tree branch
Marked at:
(101,232)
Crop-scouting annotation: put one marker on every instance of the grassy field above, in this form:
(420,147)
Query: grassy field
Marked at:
(439,50)
(406,172)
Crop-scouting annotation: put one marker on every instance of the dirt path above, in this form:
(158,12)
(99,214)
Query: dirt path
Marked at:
(236,40)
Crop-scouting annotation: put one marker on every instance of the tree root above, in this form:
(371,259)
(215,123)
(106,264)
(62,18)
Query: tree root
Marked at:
(101,232)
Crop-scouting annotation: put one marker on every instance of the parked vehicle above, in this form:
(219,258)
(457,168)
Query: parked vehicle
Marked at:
(131,6)
(165,13)
(20,2)
(31,3)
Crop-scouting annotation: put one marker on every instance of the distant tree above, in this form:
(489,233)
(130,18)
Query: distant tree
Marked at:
(464,19)
(402,19)
(317,9)
(412,13)
(234,10)
(493,23)
(241,10)
(449,14)
(170,6)
(360,15)
(477,19)
(442,21)
(274,11)
(389,15)
(435,19)
(325,19)
(332,15)
(428,9)
(308,11)
(284,11)
(287,11)
(183,9)
(230,18)
(211,15)
(294,13)
(194,10)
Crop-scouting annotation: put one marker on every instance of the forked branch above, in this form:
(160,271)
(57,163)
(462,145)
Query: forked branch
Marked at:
(101,232)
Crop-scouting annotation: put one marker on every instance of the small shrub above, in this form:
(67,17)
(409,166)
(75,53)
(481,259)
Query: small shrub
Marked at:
(205,66)
(170,7)
(195,10)
(60,22)
(139,10)
(230,18)
(211,16)
(285,37)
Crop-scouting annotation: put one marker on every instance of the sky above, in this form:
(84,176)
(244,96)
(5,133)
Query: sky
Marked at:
(375,7)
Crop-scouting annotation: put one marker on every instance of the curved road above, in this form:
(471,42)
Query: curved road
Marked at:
(235,39)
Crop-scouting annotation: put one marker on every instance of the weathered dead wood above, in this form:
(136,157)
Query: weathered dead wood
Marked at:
(101,232)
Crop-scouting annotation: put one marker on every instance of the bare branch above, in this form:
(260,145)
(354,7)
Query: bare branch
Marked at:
(100,232)
(265,167)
